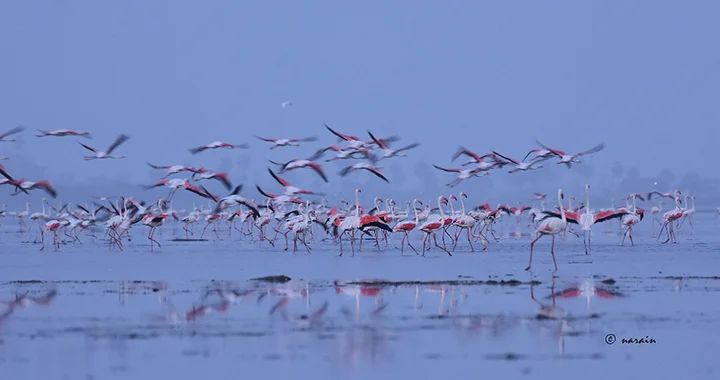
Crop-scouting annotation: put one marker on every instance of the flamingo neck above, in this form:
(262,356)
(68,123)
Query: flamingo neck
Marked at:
(562,209)
(442,213)
(417,218)
(462,204)
(357,204)
(587,199)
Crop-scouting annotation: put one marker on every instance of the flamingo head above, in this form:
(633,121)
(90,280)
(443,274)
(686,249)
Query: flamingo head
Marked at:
(462,194)
(443,200)
(453,197)
(562,194)
(357,191)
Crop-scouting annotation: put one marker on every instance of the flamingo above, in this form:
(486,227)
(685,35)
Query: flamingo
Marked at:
(465,222)
(364,166)
(297,163)
(350,223)
(25,185)
(53,226)
(632,218)
(62,133)
(100,155)
(669,219)
(432,226)
(463,174)
(387,152)
(289,189)
(688,213)
(407,226)
(343,154)
(172,169)
(203,173)
(520,166)
(569,159)
(277,143)
(654,211)
(550,225)
(14,131)
(155,221)
(217,145)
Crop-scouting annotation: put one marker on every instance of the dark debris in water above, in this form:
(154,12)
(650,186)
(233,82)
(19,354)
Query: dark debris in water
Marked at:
(279,279)
(447,282)
(512,356)
(609,281)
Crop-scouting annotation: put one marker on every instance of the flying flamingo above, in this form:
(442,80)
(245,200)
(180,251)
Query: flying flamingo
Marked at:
(355,141)
(344,154)
(203,173)
(550,226)
(217,145)
(277,143)
(25,185)
(407,226)
(14,131)
(297,163)
(100,155)
(520,166)
(289,189)
(476,158)
(172,169)
(387,152)
(569,159)
(364,166)
(432,226)
(62,133)
(463,174)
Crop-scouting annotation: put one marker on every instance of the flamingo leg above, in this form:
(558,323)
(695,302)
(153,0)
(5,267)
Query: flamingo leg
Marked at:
(531,250)
(552,252)
(630,236)
(408,243)
(443,248)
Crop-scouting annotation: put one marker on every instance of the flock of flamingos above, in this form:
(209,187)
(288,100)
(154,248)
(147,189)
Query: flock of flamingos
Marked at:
(287,214)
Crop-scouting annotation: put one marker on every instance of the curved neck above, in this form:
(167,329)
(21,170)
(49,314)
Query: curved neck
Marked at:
(634,207)
(452,209)
(462,205)
(417,219)
(562,209)
(377,206)
(442,213)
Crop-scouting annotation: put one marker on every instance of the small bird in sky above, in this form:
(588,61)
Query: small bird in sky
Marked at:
(285,104)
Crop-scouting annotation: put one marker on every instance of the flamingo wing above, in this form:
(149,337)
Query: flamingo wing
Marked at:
(88,147)
(118,141)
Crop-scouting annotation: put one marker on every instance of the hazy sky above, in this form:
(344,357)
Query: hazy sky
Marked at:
(492,75)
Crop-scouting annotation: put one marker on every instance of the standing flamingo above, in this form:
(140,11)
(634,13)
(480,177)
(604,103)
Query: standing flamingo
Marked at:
(669,219)
(407,226)
(432,226)
(550,225)
(688,213)
(632,218)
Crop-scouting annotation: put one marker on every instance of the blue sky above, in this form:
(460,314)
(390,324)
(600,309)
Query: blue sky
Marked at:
(639,75)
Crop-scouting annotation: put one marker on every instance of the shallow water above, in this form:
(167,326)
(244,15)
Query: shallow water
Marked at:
(121,314)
